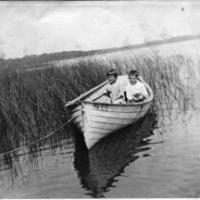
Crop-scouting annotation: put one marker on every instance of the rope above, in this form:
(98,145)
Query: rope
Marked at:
(54,131)
(36,141)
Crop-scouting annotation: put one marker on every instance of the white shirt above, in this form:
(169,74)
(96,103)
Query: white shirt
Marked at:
(139,87)
(116,88)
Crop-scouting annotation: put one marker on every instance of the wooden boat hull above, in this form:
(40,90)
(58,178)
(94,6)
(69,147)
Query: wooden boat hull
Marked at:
(99,166)
(97,119)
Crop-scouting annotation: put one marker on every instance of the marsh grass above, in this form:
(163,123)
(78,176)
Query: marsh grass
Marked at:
(32,102)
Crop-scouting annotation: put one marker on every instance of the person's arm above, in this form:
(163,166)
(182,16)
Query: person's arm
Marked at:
(144,89)
(142,80)
(142,92)
(108,94)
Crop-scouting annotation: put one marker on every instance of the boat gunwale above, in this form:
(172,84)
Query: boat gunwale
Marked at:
(149,100)
(119,104)
(83,98)
(85,95)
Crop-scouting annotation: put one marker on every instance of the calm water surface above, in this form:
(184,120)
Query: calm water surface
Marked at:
(157,157)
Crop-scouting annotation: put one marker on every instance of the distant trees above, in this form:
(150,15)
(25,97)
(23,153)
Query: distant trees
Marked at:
(34,61)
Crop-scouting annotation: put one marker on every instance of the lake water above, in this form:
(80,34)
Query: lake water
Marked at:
(156,157)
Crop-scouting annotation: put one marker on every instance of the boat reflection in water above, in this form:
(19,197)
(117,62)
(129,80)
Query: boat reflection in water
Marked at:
(98,167)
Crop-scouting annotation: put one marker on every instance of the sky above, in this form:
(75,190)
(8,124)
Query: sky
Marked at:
(28,28)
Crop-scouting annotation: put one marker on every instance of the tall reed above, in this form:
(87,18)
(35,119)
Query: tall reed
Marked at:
(32,101)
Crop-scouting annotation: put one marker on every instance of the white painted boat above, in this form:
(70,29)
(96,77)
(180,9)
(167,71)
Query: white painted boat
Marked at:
(98,167)
(96,117)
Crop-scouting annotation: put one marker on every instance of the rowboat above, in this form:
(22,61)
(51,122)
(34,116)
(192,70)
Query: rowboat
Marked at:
(96,117)
(99,167)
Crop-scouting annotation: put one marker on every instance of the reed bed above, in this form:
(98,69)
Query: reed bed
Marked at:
(32,101)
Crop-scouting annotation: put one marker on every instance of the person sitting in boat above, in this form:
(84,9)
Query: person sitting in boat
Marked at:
(115,86)
(135,90)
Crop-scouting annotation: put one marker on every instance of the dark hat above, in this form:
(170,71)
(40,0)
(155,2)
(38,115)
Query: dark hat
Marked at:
(133,72)
(112,72)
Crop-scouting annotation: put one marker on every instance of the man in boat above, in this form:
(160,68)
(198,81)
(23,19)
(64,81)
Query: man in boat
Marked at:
(135,90)
(115,86)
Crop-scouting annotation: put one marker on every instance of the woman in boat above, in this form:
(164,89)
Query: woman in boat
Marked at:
(115,86)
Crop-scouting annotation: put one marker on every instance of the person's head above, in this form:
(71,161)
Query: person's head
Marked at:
(133,76)
(112,76)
